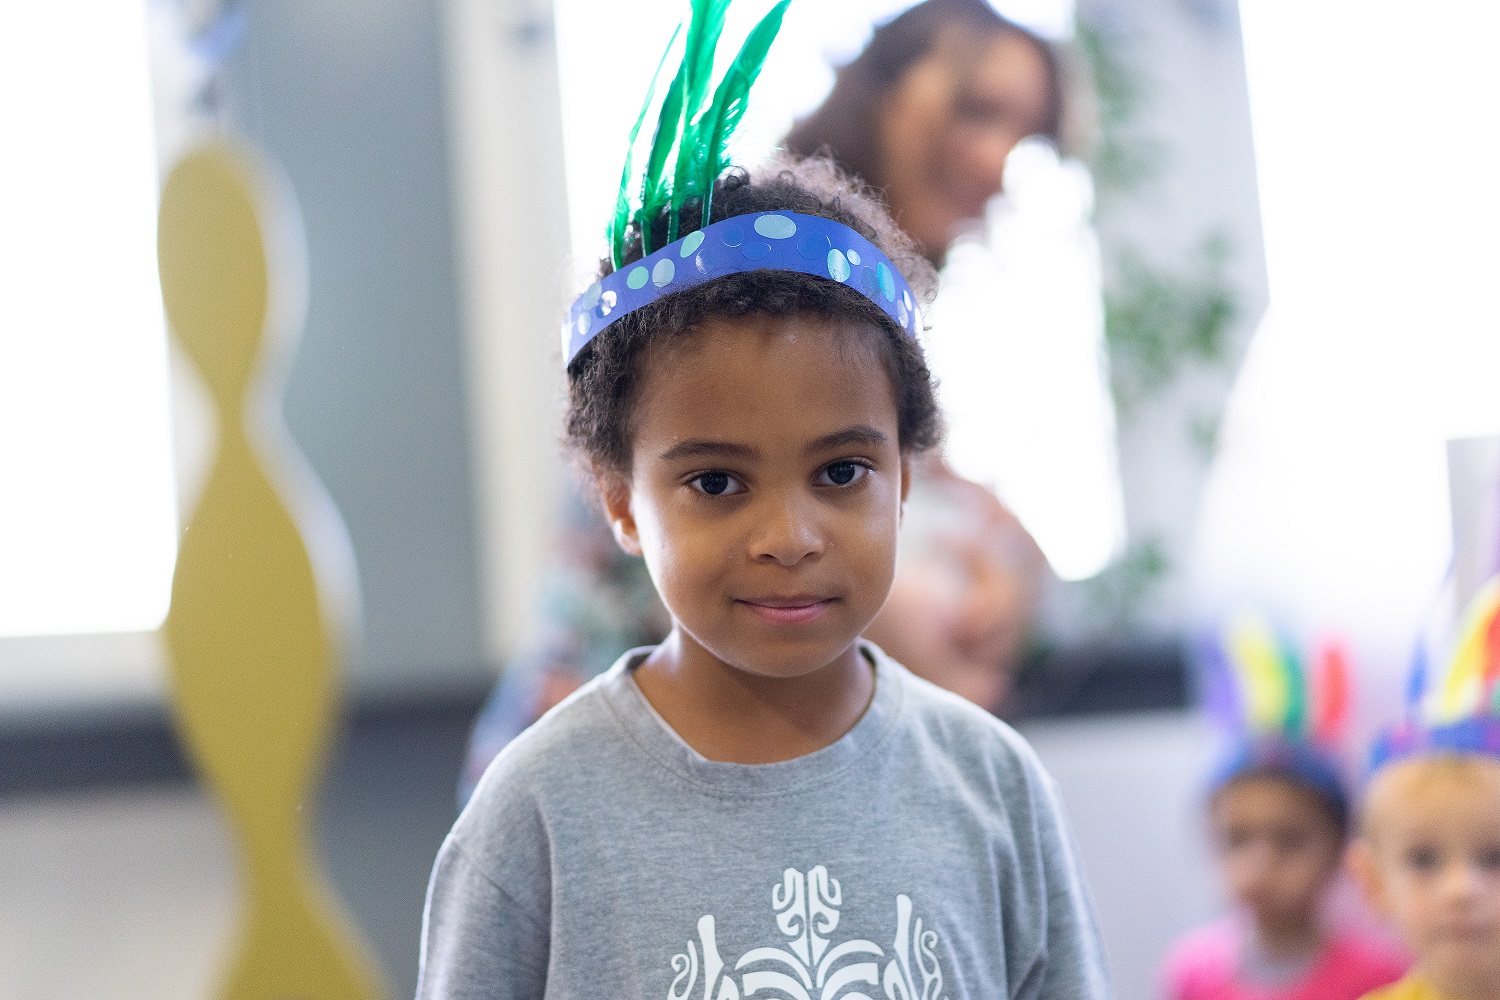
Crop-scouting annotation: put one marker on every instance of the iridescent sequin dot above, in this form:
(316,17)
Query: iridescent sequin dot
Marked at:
(775,227)
(887,281)
(591,296)
(606,304)
(732,236)
(903,315)
(701,264)
(662,273)
(756,251)
(854,257)
(868,282)
(690,244)
(813,246)
(638,277)
(838,266)
(906,299)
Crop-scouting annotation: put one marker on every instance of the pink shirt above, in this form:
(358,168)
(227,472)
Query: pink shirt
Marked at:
(1205,965)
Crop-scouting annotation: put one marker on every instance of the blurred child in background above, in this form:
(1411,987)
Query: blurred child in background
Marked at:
(1279,816)
(1428,854)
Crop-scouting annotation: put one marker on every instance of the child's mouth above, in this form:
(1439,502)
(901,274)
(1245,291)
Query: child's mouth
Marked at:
(795,610)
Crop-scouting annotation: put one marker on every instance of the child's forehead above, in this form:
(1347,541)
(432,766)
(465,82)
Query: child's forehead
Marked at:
(1266,796)
(846,336)
(1434,791)
(761,352)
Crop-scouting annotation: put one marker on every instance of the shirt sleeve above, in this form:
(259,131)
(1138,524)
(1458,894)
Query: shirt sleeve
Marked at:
(1071,963)
(478,941)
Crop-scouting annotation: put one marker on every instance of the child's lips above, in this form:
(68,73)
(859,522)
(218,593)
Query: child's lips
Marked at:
(799,609)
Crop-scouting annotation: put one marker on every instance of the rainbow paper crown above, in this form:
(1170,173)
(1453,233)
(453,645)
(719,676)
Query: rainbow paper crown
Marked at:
(1458,709)
(1257,685)
(1281,717)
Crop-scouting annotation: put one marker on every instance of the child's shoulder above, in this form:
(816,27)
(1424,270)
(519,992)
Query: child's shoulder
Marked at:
(560,756)
(1202,959)
(954,733)
(1375,959)
(554,743)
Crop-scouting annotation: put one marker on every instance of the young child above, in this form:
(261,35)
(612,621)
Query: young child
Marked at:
(764,804)
(1279,817)
(1429,848)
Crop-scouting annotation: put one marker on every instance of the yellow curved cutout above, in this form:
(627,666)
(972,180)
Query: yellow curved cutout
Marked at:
(252,645)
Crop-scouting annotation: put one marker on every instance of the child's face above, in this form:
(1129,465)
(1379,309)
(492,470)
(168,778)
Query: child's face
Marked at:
(765,489)
(1278,849)
(1430,861)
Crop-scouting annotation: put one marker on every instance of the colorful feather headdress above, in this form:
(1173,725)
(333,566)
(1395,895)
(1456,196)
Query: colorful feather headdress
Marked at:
(690,147)
(1281,716)
(1458,709)
(688,151)
(1258,685)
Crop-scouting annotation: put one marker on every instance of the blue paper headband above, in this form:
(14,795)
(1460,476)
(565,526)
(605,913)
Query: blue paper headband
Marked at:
(1300,761)
(1474,736)
(765,241)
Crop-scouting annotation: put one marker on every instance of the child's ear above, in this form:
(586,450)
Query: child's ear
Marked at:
(1361,862)
(905,481)
(614,490)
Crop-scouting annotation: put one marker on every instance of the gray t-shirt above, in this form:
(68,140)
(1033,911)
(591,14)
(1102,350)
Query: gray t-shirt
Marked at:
(922,856)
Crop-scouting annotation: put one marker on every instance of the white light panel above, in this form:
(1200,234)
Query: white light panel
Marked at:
(87,514)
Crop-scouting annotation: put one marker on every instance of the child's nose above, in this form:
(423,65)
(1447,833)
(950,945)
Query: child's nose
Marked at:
(787,534)
(1462,881)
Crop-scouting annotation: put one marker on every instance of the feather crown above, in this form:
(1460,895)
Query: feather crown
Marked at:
(1282,718)
(689,148)
(1457,709)
(1257,685)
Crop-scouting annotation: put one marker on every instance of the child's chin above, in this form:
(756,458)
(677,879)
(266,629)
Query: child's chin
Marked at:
(786,659)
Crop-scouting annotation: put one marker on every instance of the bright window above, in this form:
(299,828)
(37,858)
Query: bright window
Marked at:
(1375,156)
(87,513)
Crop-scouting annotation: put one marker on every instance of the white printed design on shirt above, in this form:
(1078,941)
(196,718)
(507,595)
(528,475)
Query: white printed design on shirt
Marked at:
(807,912)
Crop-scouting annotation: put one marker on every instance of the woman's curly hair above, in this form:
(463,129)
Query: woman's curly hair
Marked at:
(604,378)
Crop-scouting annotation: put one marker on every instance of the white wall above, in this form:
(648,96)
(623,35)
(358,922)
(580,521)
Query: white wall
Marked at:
(1133,789)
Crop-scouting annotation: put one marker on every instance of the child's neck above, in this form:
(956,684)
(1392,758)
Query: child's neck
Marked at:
(1289,939)
(731,715)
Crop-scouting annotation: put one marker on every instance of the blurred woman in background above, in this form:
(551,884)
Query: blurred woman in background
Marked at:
(927,114)
(931,109)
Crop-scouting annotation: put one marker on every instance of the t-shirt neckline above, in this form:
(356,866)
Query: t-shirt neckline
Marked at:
(660,741)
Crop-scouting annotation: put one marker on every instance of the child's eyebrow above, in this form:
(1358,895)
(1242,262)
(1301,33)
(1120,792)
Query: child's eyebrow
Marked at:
(707,449)
(859,434)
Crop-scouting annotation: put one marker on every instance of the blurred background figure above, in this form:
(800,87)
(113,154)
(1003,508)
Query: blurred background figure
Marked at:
(931,109)
(927,114)
(1279,816)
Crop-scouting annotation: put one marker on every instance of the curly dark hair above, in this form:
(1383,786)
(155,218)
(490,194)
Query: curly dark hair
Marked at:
(604,377)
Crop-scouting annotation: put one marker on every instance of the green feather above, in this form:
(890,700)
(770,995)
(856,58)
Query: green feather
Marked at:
(621,217)
(1295,723)
(656,185)
(731,98)
(698,61)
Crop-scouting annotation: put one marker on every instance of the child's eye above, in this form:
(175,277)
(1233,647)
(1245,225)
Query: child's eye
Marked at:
(716,484)
(843,473)
(1422,858)
(1489,859)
